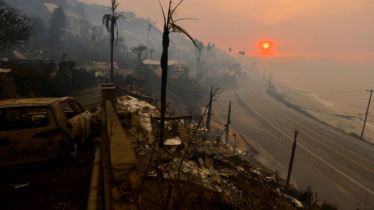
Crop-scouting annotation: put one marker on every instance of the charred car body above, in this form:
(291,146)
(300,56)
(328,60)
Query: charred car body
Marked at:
(37,129)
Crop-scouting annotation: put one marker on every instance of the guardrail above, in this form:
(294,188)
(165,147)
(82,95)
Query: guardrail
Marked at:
(94,197)
(114,177)
(122,163)
(351,186)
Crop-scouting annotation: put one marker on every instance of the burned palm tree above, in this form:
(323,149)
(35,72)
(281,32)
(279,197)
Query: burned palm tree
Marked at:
(138,50)
(243,54)
(151,51)
(169,26)
(212,94)
(228,124)
(110,21)
(208,49)
(200,48)
(240,56)
(149,30)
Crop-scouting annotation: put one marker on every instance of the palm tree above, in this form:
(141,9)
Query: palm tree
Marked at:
(208,49)
(138,50)
(110,21)
(169,26)
(200,48)
(212,94)
(240,56)
(149,30)
(242,53)
(151,51)
(230,50)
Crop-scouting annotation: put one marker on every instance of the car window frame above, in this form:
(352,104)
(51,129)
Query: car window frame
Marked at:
(49,114)
(74,109)
(79,105)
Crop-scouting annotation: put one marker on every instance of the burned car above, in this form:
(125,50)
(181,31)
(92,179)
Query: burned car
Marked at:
(38,129)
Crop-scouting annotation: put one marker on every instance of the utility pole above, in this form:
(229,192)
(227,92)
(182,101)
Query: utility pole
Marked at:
(269,80)
(291,160)
(210,109)
(367,112)
(228,124)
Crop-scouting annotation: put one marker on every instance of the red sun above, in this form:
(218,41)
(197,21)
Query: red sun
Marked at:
(265,47)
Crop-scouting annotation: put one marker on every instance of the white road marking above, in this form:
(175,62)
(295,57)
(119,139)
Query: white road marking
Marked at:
(291,139)
(323,151)
(288,129)
(327,134)
(337,133)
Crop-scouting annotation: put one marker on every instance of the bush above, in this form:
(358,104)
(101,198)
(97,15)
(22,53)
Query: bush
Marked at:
(328,206)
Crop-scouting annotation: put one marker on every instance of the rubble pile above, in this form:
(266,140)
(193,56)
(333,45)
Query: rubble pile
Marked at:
(194,155)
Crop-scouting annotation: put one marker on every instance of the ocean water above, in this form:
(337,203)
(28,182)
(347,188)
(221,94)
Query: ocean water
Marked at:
(340,85)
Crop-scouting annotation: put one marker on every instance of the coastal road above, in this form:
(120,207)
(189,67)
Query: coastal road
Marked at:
(336,165)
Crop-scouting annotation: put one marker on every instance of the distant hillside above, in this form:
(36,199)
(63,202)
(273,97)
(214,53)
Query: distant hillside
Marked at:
(83,17)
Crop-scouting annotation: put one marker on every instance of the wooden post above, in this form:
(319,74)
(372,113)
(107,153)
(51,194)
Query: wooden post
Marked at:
(210,109)
(291,160)
(228,124)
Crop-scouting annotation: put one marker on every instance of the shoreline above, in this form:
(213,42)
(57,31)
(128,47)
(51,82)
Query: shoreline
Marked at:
(324,111)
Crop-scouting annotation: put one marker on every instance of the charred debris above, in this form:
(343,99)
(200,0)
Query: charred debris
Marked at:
(196,169)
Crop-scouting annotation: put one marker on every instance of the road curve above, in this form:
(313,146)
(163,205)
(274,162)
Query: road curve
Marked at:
(351,160)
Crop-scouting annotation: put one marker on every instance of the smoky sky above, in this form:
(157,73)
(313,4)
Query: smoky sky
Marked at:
(334,29)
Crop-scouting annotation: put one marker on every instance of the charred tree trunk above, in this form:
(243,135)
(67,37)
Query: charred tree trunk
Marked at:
(146,52)
(291,160)
(164,67)
(140,56)
(111,48)
(228,124)
(198,68)
(210,109)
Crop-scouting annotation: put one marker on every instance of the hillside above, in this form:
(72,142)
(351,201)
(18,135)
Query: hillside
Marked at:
(84,18)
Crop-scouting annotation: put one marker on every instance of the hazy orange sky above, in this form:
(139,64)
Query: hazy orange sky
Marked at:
(333,29)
